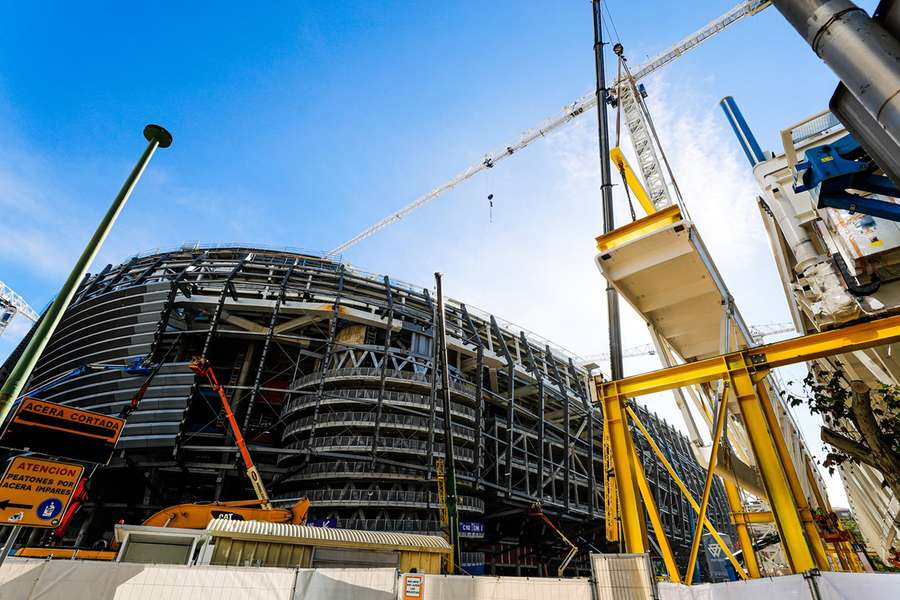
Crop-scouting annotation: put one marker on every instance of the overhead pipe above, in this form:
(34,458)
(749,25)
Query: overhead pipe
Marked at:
(742,131)
(864,55)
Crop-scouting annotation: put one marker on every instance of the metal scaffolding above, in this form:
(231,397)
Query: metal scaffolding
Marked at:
(329,369)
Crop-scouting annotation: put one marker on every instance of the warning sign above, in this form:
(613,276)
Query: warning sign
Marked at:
(35,492)
(59,430)
(413,587)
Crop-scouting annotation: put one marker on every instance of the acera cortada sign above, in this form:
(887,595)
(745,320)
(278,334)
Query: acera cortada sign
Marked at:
(64,431)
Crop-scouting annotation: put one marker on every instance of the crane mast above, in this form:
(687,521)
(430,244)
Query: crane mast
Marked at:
(569,113)
(12,304)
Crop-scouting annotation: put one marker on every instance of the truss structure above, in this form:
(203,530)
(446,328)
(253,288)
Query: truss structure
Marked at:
(329,372)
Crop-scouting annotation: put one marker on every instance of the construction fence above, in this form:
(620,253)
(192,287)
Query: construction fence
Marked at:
(31,579)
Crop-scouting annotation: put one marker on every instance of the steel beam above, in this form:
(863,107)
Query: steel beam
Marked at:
(795,350)
(385,359)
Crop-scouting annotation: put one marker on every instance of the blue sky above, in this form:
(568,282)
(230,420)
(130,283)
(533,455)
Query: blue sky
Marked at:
(299,123)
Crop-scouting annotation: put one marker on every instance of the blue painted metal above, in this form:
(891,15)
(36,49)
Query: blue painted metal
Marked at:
(742,131)
(828,171)
(134,367)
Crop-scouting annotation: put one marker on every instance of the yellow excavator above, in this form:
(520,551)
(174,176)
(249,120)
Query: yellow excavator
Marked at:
(198,515)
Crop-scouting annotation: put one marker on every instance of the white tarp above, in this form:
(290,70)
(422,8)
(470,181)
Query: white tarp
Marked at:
(462,587)
(345,584)
(793,587)
(83,580)
(829,586)
(18,576)
(859,586)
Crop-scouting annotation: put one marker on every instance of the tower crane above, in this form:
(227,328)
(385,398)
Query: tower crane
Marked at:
(12,304)
(635,121)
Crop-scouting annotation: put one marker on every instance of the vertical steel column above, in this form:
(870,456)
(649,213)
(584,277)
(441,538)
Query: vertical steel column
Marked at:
(326,358)
(166,312)
(781,499)
(539,377)
(733,494)
(586,395)
(630,511)
(227,287)
(157,137)
(452,509)
(806,516)
(567,449)
(433,381)
(384,362)
(567,441)
(511,414)
(479,393)
(612,299)
(267,341)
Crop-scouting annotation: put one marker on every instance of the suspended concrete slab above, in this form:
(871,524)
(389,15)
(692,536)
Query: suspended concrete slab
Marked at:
(661,267)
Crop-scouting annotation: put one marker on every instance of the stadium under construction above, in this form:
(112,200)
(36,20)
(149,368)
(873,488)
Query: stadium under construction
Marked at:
(329,371)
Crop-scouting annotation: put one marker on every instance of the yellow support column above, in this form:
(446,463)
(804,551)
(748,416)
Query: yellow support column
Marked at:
(630,513)
(658,530)
(781,499)
(610,491)
(687,493)
(733,494)
(707,487)
(806,516)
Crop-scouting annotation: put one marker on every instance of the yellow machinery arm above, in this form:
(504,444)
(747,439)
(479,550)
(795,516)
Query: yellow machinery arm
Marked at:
(198,516)
(631,180)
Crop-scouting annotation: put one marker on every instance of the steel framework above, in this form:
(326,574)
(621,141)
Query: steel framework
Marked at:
(744,373)
(328,369)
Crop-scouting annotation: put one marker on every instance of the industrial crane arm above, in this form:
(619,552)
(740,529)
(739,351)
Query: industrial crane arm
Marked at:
(538,511)
(568,113)
(201,367)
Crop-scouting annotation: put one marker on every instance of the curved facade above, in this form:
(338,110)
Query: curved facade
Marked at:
(329,373)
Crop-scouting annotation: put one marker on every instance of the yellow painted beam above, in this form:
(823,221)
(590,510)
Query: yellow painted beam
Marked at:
(687,493)
(659,220)
(800,349)
(806,516)
(631,513)
(707,487)
(733,495)
(781,499)
(759,516)
(658,530)
(631,180)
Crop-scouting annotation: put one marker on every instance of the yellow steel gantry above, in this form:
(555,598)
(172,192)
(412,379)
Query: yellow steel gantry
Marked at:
(743,372)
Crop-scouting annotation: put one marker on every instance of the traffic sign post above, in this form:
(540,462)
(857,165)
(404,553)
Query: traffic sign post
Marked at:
(8,543)
(60,430)
(35,492)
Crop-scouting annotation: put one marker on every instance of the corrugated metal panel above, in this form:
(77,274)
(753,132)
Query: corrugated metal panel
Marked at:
(623,577)
(323,536)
